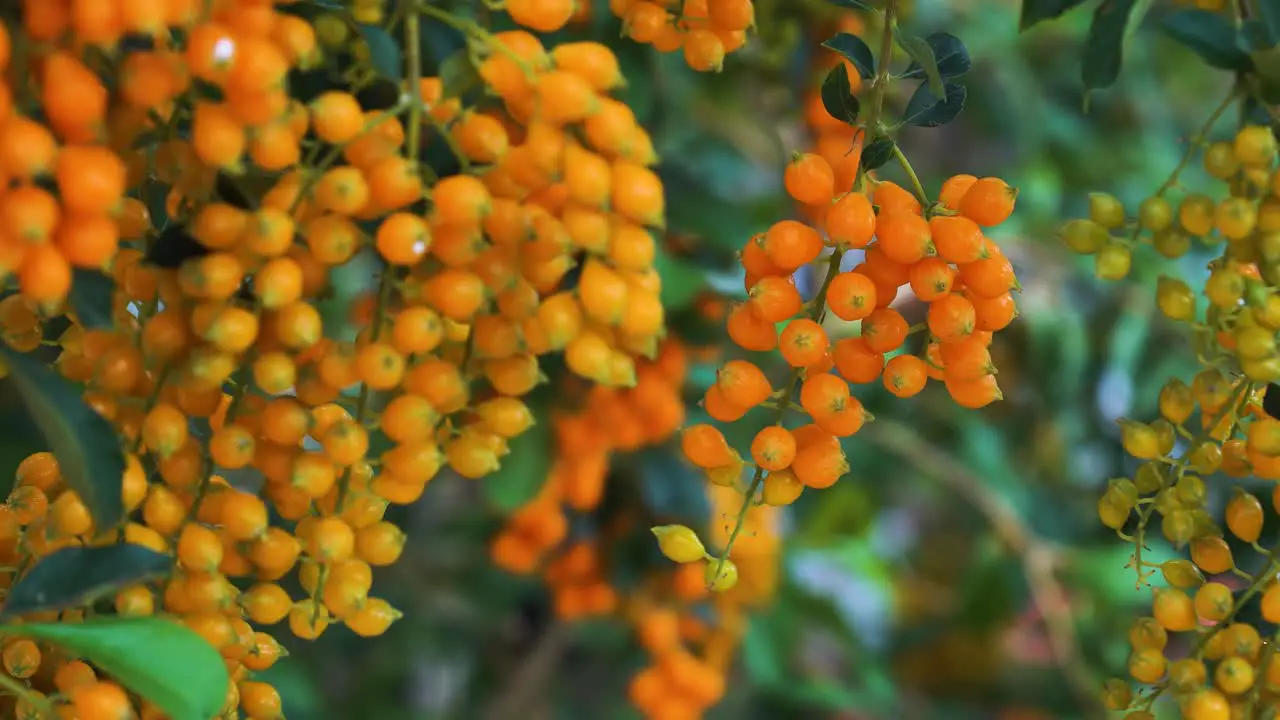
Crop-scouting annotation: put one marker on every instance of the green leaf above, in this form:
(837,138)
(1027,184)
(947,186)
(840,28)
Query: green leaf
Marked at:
(681,280)
(950,56)
(161,660)
(923,59)
(838,97)
(1266,65)
(877,154)
(852,48)
(1037,11)
(1269,15)
(384,52)
(1104,47)
(1210,35)
(925,109)
(457,74)
(852,4)
(91,298)
(1255,35)
(525,469)
(85,444)
(77,576)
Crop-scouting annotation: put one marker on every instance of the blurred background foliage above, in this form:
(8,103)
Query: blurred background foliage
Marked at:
(918,586)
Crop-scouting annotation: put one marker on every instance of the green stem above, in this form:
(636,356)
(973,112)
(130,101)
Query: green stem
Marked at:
(916,186)
(816,313)
(27,695)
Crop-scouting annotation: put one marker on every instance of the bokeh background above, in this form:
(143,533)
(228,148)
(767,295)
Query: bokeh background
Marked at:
(960,570)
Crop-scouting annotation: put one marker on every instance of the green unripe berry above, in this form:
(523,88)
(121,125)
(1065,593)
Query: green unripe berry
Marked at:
(1106,210)
(1084,236)
(1113,261)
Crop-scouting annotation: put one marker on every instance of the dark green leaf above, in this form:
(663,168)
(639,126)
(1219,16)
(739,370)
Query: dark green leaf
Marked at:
(681,280)
(923,59)
(77,576)
(91,298)
(525,469)
(85,444)
(1104,48)
(838,97)
(1036,11)
(457,74)
(852,48)
(925,109)
(1269,15)
(950,55)
(384,52)
(162,660)
(1254,35)
(877,154)
(1210,35)
(852,4)
(1266,65)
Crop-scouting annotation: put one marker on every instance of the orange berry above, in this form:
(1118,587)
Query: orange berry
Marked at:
(851,221)
(803,342)
(790,244)
(851,296)
(905,375)
(809,180)
(988,202)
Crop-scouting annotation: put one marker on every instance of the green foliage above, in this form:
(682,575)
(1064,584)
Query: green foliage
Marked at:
(1211,36)
(1104,47)
(928,109)
(161,660)
(838,97)
(1037,11)
(85,444)
(91,298)
(856,51)
(78,576)
(947,54)
(385,54)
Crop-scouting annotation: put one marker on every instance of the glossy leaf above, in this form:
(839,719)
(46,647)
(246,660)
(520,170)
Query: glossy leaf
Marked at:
(161,660)
(1269,16)
(384,52)
(922,59)
(855,50)
(853,4)
(1210,35)
(1104,47)
(91,293)
(1037,11)
(77,576)
(877,154)
(925,109)
(85,444)
(950,56)
(457,74)
(838,97)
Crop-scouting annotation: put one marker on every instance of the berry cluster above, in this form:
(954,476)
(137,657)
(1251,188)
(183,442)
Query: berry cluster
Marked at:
(1220,422)
(703,30)
(937,248)
(215,360)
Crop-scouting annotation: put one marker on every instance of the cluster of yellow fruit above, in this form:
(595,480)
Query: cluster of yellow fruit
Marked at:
(1219,422)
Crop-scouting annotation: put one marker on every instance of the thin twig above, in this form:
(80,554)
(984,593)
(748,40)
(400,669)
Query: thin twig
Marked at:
(1039,558)
(530,678)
